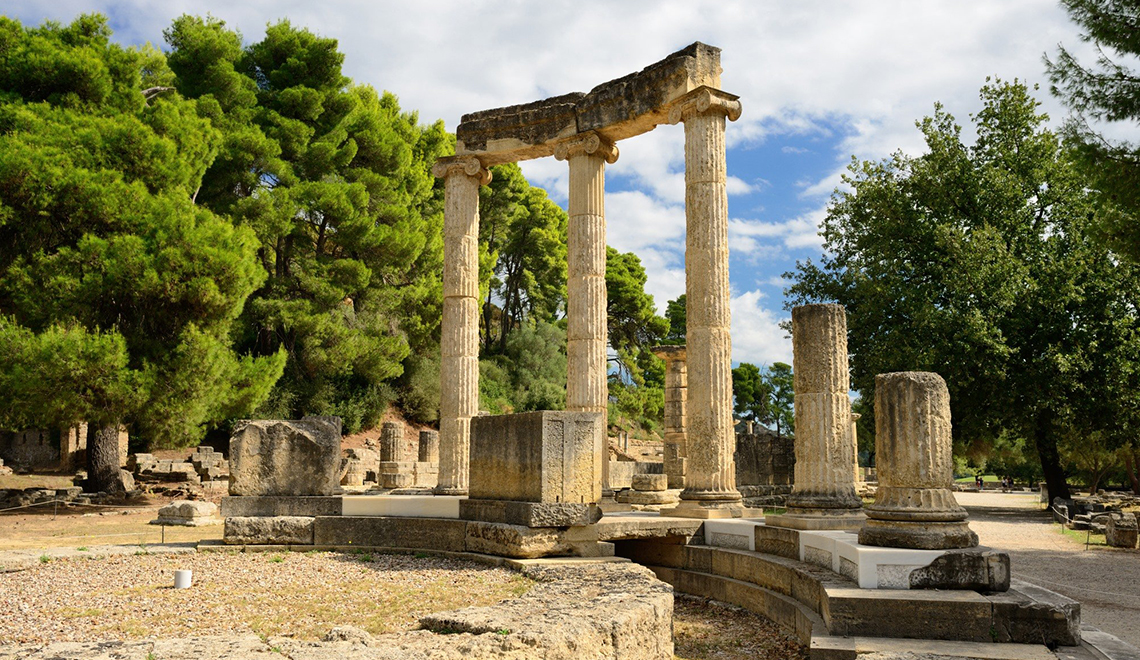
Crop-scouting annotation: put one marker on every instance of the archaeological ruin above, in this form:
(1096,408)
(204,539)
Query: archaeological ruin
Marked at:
(615,538)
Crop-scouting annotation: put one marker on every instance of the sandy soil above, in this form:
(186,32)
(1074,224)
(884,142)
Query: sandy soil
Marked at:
(1106,581)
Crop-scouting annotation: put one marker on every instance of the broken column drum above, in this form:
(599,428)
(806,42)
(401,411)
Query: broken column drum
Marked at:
(459,327)
(429,447)
(914,506)
(823,496)
(676,386)
(392,441)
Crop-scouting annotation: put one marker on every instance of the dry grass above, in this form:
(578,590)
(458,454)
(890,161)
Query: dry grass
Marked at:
(43,528)
(295,594)
(704,630)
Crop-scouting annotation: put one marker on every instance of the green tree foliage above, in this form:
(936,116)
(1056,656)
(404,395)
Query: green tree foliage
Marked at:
(334,179)
(522,255)
(977,262)
(1108,90)
(781,403)
(676,313)
(637,384)
(118,293)
(751,394)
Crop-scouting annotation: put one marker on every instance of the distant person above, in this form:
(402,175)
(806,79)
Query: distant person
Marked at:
(978,481)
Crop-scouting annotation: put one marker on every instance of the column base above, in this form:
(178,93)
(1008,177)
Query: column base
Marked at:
(820,519)
(918,535)
(449,490)
(705,510)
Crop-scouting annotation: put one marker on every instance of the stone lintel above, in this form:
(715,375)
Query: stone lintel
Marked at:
(618,109)
(530,514)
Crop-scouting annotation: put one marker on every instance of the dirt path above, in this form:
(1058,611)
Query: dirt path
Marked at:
(1106,581)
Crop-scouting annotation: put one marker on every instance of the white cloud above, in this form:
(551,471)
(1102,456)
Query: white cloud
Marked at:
(855,75)
(756,334)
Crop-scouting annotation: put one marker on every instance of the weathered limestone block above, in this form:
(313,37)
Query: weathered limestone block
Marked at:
(353,472)
(914,506)
(188,513)
(625,107)
(1121,531)
(429,447)
(275,457)
(396,480)
(521,542)
(392,441)
(650,482)
(530,514)
(264,530)
(545,456)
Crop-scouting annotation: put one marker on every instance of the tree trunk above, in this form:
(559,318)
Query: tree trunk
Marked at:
(1050,460)
(1131,464)
(103,458)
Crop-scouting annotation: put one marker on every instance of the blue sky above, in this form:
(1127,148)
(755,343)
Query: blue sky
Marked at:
(819,81)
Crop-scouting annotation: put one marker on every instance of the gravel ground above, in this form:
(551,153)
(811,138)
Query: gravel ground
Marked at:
(1106,581)
(707,630)
(295,594)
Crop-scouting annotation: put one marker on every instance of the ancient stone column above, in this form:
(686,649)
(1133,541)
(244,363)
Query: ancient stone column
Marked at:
(855,445)
(710,479)
(429,447)
(459,342)
(823,495)
(914,507)
(392,441)
(587,389)
(676,385)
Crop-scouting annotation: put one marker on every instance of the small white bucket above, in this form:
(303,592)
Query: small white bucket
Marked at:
(182,579)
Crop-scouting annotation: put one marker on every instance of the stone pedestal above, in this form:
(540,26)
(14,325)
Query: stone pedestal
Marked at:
(459,327)
(676,386)
(392,441)
(535,476)
(587,389)
(429,447)
(710,479)
(823,496)
(914,507)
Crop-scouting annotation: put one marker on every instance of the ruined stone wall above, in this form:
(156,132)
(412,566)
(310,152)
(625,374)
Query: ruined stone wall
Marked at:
(30,449)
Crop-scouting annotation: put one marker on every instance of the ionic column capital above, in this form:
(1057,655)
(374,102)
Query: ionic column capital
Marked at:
(705,100)
(589,142)
(468,165)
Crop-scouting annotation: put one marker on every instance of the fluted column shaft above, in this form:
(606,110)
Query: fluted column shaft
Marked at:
(676,395)
(824,480)
(587,331)
(710,479)
(914,506)
(459,342)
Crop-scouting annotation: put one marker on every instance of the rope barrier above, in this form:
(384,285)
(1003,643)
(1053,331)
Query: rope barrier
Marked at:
(72,503)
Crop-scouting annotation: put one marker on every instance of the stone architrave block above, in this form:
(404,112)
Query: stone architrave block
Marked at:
(188,513)
(546,456)
(276,457)
(265,530)
(1121,531)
